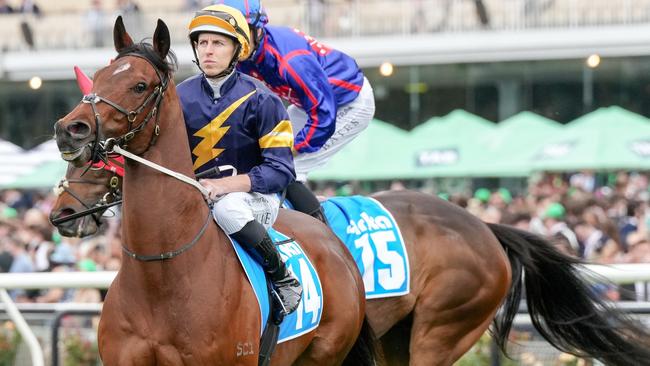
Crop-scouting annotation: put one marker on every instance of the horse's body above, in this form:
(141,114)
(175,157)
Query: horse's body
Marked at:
(173,312)
(195,308)
(459,277)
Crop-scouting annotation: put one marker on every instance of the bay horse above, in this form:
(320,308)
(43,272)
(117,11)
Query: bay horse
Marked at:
(463,271)
(195,307)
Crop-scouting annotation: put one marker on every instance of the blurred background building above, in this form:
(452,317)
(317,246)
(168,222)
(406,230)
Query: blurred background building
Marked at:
(425,58)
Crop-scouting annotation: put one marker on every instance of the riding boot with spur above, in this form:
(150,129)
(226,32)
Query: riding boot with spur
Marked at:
(287,286)
(304,200)
(258,241)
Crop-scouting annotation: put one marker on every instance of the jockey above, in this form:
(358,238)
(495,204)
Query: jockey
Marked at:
(232,119)
(332,101)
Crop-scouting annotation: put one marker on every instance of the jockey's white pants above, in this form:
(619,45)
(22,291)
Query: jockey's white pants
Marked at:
(351,119)
(234,210)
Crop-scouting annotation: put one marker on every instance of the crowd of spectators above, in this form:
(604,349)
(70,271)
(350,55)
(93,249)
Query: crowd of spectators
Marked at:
(29,243)
(601,223)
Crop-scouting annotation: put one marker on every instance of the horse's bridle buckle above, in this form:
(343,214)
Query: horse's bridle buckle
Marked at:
(109,144)
(113,182)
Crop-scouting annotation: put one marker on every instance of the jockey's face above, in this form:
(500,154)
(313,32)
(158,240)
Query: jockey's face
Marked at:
(215,52)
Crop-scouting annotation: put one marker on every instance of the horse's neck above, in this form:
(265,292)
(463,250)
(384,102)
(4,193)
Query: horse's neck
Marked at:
(162,213)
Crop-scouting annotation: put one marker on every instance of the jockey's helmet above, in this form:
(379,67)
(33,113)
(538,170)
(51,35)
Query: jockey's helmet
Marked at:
(225,20)
(252,10)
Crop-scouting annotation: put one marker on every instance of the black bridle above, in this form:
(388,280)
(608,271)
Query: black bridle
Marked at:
(112,198)
(101,149)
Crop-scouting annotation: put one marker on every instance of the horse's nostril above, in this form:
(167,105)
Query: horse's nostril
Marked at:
(64,212)
(78,129)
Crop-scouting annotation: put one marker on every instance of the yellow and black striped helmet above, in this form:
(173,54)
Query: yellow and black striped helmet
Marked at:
(222,19)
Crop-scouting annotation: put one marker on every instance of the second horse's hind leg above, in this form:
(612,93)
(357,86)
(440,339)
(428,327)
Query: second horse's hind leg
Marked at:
(447,324)
(443,345)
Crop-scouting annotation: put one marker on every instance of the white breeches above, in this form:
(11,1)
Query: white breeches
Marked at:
(234,210)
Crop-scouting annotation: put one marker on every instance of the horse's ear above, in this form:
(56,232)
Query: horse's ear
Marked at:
(121,39)
(161,41)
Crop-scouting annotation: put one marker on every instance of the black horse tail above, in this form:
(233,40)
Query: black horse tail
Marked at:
(562,305)
(364,350)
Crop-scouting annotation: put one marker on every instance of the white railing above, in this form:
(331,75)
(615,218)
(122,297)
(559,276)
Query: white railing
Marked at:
(618,273)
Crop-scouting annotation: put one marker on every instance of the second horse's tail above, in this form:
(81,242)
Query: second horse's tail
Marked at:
(562,305)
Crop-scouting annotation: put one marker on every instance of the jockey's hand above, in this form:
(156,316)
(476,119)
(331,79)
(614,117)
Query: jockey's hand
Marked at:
(215,189)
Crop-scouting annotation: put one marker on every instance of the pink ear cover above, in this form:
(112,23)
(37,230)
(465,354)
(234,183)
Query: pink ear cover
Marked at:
(83,81)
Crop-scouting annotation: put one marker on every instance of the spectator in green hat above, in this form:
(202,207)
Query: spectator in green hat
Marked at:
(482,194)
(565,238)
(87,265)
(500,199)
(555,211)
(505,195)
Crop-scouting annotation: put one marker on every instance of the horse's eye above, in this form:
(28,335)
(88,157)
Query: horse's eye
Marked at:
(140,88)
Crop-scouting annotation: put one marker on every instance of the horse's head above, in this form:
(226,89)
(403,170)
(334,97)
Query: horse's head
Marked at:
(124,101)
(84,189)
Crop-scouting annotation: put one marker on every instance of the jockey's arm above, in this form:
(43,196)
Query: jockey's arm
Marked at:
(309,81)
(221,186)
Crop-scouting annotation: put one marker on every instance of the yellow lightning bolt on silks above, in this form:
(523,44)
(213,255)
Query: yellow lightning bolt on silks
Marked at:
(212,133)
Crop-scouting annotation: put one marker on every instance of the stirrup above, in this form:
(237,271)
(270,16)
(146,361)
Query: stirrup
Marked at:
(278,301)
(290,291)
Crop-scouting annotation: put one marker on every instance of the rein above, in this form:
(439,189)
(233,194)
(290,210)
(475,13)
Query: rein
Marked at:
(111,147)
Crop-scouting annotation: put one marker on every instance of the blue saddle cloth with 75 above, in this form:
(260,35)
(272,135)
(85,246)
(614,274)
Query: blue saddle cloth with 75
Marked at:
(371,235)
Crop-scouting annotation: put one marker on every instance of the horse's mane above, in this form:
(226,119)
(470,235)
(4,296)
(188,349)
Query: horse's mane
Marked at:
(166,66)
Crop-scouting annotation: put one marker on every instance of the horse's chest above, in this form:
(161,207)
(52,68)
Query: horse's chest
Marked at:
(182,336)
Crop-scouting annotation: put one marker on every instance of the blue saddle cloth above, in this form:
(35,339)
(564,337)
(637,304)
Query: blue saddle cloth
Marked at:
(371,235)
(308,315)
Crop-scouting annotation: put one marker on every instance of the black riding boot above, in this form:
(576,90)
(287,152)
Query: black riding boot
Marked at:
(304,200)
(288,287)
